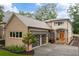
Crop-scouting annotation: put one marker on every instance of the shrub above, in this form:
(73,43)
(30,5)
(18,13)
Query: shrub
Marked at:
(28,39)
(15,49)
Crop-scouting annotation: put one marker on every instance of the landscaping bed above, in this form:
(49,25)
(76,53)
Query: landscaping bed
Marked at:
(15,50)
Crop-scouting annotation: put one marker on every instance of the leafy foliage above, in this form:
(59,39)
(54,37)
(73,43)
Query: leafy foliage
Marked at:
(28,39)
(74,14)
(1,13)
(46,11)
(15,48)
(25,13)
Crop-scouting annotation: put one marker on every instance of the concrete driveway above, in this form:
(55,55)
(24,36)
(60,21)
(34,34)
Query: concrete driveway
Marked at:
(56,50)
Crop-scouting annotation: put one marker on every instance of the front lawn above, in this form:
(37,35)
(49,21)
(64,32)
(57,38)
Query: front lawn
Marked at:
(7,53)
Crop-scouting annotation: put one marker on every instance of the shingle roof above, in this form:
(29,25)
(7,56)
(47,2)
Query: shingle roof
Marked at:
(28,21)
(31,22)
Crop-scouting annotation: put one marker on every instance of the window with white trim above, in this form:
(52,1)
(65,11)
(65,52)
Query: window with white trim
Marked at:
(16,34)
(58,23)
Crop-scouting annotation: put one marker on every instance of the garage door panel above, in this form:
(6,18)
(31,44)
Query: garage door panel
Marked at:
(44,39)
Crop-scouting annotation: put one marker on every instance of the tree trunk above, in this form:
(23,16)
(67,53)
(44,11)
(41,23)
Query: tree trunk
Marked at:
(29,47)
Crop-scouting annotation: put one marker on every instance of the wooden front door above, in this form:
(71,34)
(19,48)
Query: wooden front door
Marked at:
(62,35)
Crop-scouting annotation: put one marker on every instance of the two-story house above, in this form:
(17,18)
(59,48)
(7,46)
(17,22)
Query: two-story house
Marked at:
(61,30)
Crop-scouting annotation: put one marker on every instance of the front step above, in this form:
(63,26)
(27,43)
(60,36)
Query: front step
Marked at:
(60,42)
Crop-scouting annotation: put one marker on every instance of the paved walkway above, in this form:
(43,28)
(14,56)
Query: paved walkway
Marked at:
(56,50)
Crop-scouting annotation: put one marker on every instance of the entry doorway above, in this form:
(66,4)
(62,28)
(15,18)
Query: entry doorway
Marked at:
(61,36)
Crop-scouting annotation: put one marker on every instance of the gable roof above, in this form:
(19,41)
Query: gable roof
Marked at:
(29,21)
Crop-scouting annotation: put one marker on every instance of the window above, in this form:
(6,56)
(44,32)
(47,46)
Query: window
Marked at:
(58,23)
(20,34)
(13,34)
(16,34)
(10,34)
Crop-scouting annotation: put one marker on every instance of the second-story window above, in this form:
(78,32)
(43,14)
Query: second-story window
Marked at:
(58,23)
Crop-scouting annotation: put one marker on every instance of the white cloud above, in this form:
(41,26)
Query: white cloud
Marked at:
(32,12)
(62,14)
(38,4)
(8,6)
(62,10)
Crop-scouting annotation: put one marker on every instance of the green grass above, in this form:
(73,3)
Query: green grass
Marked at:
(7,53)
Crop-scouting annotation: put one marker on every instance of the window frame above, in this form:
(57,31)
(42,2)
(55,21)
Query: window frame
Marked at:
(15,34)
(58,23)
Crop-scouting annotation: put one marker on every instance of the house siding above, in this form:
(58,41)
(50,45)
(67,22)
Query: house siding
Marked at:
(66,26)
(70,34)
(14,25)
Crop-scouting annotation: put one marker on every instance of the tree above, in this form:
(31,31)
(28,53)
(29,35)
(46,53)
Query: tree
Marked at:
(74,14)
(28,39)
(21,12)
(45,12)
(26,13)
(1,13)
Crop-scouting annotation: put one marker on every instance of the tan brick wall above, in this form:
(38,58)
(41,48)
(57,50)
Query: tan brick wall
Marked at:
(15,25)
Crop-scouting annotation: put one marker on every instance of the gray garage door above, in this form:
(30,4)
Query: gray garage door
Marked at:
(41,39)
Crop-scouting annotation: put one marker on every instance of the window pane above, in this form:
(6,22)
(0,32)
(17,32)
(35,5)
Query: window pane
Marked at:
(13,34)
(10,34)
(16,34)
(43,38)
(58,23)
(20,34)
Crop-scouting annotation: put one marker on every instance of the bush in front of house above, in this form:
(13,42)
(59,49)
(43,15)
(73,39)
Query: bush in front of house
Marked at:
(29,39)
(16,49)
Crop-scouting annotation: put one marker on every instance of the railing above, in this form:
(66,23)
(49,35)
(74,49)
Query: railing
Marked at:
(75,36)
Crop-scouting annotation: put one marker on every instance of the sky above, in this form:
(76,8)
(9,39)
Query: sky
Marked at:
(32,7)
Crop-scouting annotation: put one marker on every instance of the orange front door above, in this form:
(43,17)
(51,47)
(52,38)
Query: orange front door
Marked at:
(62,35)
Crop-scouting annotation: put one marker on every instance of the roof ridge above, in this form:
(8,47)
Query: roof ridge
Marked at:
(32,22)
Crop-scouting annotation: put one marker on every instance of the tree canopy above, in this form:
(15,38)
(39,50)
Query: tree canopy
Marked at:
(26,13)
(74,14)
(45,12)
(1,13)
